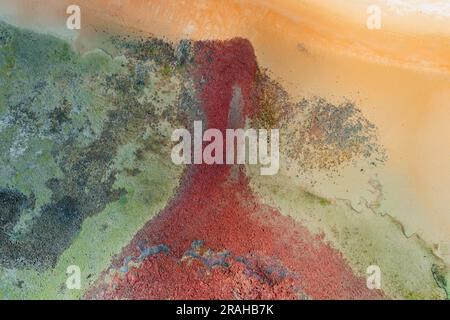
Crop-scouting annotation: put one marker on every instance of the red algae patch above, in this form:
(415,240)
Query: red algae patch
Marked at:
(222,243)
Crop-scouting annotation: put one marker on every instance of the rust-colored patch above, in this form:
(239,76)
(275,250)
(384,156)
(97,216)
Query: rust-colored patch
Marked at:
(273,257)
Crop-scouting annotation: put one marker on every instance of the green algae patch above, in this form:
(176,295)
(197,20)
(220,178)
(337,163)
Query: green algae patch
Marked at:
(442,277)
(364,238)
(103,235)
(85,155)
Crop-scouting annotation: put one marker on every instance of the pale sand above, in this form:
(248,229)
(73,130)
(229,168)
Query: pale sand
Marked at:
(399,75)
